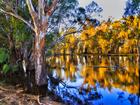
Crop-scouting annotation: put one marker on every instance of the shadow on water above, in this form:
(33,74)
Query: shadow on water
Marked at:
(95,80)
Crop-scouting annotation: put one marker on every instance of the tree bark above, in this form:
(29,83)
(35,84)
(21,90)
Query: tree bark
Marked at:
(12,48)
(39,52)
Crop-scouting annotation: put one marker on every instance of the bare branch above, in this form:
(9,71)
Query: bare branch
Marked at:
(41,8)
(32,11)
(18,17)
(54,9)
(51,8)
(53,5)
(30,6)
(61,38)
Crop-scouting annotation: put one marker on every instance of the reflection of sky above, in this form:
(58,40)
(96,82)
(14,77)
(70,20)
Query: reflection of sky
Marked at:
(114,8)
(109,97)
(114,96)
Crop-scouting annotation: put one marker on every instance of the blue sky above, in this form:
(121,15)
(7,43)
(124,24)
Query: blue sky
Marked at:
(111,8)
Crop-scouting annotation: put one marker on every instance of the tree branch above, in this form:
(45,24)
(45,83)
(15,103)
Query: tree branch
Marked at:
(18,17)
(41,9)
(52,7)
(61,38)
(32,12)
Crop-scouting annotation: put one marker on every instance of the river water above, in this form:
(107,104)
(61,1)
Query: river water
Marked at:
(95,80)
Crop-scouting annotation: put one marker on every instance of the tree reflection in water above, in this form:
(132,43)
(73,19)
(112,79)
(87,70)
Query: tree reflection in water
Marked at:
(99,80)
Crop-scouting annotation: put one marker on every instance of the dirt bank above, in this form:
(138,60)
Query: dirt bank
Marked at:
(14,95)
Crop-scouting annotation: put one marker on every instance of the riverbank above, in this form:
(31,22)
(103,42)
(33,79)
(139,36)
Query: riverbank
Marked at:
(15,95)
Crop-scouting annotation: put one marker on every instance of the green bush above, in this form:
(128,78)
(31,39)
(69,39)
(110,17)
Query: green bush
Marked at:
(6,68)
(3,55)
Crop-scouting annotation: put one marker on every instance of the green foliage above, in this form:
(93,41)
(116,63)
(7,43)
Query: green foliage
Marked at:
(3,55)
(6,68)
(14,68)
(4,62)
(13,34)
(50,38)
(20,31)
(136,2)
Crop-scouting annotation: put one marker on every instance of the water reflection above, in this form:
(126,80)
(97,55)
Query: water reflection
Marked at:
(97,80)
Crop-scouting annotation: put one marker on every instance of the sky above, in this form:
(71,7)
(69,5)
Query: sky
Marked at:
(111,8)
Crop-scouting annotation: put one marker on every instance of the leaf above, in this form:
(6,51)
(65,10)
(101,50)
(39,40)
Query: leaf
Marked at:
(5,68)
(3,55)
(14,68)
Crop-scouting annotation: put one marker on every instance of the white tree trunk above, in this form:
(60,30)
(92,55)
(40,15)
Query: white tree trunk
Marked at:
(39,54)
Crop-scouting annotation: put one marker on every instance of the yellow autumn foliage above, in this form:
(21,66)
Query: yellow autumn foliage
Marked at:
(122,34)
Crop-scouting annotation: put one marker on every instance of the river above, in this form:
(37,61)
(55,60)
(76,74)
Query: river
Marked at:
(95,79)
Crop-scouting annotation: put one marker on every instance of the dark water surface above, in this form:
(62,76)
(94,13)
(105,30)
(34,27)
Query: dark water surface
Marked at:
(96,80)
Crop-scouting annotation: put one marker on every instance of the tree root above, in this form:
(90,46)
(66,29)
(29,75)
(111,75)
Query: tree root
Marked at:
(3,99)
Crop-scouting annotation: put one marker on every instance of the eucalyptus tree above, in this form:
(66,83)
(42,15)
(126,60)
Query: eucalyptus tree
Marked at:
(132,7)
(45,18)
(40,19)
